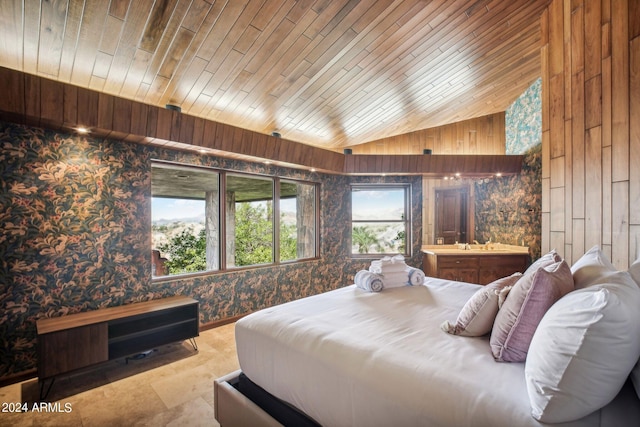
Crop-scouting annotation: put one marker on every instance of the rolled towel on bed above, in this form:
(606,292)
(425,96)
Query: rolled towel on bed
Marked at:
(368,281)
(416,276)
(395,280)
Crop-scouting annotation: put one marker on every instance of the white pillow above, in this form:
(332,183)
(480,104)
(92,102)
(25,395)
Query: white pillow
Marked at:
(583,350)
(635,378)
(634,270)
(591,268)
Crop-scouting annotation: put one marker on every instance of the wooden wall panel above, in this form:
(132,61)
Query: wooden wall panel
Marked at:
(13,92)
(37,101)
(482,135)
(32,99)
(620,89)
(597,94)
(634,130)
(52,98)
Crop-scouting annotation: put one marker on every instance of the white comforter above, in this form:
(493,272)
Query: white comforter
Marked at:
(353,358)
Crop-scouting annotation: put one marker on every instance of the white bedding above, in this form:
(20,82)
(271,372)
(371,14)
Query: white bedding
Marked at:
(353,358)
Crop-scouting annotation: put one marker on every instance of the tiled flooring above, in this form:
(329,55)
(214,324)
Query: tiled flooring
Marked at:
(172,386)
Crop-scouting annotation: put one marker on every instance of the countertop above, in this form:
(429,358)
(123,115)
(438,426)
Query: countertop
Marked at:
(490,249)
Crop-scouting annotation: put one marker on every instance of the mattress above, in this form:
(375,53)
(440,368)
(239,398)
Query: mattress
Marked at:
(354,358)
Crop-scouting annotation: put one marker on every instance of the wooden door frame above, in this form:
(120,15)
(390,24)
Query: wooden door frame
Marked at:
(468,190)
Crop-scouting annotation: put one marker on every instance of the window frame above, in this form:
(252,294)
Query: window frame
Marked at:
(223,175)
(408,223)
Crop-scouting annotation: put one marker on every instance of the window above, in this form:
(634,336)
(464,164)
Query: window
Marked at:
(206,220)
(298,209)
(249,218)
(380,219)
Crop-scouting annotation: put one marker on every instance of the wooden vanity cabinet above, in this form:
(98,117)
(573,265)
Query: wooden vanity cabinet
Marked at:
(460,268)
(474,268)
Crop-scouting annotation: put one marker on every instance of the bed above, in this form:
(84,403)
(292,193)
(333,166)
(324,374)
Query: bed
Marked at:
(354,358)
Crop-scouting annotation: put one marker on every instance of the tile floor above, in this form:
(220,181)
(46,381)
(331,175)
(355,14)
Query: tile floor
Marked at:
(171,386)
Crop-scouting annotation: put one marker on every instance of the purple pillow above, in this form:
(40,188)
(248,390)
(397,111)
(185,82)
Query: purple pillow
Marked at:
(528,301)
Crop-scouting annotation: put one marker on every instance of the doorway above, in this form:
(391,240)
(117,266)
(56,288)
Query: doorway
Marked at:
(452,215)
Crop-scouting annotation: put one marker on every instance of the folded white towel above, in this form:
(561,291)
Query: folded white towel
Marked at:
(397,259)
(388,265)
(368,281)
(387,268)
(416,276)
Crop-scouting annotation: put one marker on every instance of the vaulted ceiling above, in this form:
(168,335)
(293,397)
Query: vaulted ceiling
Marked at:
(329,73)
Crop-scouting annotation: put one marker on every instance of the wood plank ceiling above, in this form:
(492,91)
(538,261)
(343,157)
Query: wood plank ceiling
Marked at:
(328,73)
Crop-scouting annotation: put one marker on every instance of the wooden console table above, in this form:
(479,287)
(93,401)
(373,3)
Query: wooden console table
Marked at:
(80,340)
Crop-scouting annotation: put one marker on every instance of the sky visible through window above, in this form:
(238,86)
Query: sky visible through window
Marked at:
(378,204)
(164,209)
(175,209)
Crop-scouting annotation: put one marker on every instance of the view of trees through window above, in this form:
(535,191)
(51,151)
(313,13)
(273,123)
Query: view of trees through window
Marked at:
(379,219)
(187,215)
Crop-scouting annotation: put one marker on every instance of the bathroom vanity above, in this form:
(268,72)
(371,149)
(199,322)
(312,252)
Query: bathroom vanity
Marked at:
(476,264)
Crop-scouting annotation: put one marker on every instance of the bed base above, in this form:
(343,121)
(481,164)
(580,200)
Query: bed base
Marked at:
(238,402)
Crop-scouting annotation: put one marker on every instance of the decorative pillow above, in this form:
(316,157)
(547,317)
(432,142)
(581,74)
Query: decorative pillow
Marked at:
(583,350)
(478,314)
(592,268)
(528,301)
(635,378)
(634,271)
(545,260)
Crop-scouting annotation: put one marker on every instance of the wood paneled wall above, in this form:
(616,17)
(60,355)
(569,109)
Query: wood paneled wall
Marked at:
(482,135)
(42,102)
(591,127)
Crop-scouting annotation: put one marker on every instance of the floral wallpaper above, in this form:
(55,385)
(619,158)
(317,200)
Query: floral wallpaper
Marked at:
(523,121)
(75,235)
(508,209)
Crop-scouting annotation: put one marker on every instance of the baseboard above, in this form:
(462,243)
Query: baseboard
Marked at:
(19,377)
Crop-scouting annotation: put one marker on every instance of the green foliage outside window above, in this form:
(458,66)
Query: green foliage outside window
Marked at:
(186,252)
(254,234)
